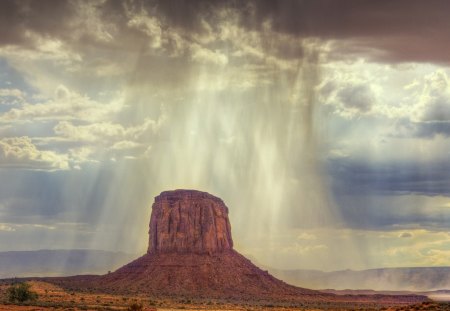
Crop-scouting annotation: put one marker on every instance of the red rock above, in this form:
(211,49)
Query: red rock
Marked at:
(188,221)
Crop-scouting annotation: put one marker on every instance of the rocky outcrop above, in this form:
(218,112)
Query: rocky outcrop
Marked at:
(191,254)
(189,221)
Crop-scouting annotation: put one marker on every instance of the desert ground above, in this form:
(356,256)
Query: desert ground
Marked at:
(51,297)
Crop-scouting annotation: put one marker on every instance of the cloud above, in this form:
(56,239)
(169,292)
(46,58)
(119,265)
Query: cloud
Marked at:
(426,109)
(110,134)
(10,96)
(408,177)
(420,109)
(429,129)
(348,100)
(374,29)
(84,130)
(431,113)
(20,152)
(358,90)
(359,98)
(48,17)
(306,236)
(104,140)
(434,99)
(65,105)
(423,248)
(82,124)
(371,29)
(405,235)
(125,144)
(7,228)
(305,249)
(207,56)
(391,195)
(149,25)
(97,132)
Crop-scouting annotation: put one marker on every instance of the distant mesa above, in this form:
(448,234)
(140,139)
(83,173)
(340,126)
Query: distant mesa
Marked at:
(190,254)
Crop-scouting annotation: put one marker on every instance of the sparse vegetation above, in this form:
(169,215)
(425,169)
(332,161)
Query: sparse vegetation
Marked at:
(53,297)
(21,292)
(135,307)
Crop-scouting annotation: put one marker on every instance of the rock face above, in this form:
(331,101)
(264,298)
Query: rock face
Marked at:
(189,221)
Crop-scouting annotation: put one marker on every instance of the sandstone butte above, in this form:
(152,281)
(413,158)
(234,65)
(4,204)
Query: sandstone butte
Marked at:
(190,254)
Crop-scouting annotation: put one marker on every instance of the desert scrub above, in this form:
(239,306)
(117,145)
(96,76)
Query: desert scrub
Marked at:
(135,307)
(21,292)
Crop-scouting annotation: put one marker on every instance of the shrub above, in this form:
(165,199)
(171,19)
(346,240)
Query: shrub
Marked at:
(21,292)
(135,307)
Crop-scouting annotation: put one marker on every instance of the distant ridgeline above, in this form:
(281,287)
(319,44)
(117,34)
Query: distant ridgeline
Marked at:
(394,279)
(73,262)
(59,262)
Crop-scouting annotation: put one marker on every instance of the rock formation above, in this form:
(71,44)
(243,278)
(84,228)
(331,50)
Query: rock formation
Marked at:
(190,254)
(185,221)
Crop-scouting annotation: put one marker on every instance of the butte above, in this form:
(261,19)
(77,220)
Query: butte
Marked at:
(190,254)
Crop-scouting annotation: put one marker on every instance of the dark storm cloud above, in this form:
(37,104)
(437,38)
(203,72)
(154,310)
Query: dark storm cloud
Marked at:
(70,196)
(400,30)
(47,17)
(385,30)
(389,213)
(187,14)
(353,176)
(427,130)
(354,18)
(431,129)
(39,197)
(66,21)
(403,30)
(382,196)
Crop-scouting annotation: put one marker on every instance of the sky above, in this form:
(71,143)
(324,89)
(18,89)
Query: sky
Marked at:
(323,125)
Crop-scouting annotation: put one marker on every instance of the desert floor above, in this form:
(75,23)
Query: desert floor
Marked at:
(52,297)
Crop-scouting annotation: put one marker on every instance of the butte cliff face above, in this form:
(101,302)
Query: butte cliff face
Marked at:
(189,221)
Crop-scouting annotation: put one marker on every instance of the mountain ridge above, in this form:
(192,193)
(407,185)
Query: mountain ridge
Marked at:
(59,262)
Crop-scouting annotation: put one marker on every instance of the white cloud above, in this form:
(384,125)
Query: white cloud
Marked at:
(306,236)
(299,249)
(351,91)
(423,248)
(125,144)
(204,55)
(65,105)
(96,132)
(108,133)
(149,25)
(433,98)
(41,226)
(7,227)
(20,152)
(107,139)
(81,155)
(10,96)
(415,93)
